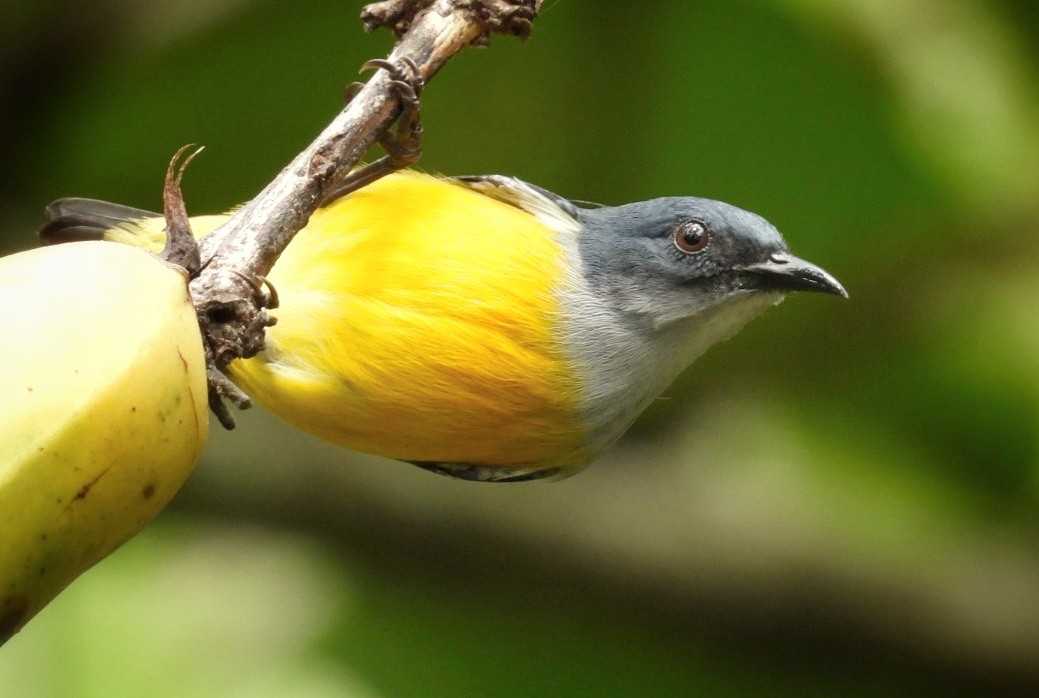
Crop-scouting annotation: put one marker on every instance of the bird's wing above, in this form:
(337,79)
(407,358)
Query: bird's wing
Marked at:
(74,219)
(551,209)
(490,473)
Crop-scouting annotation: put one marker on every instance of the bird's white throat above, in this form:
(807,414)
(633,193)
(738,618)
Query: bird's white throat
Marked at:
(625,365)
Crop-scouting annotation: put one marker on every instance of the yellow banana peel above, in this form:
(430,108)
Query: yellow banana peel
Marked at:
(103,410)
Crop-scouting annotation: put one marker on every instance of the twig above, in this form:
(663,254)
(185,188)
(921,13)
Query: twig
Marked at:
(180,248)
(246,247)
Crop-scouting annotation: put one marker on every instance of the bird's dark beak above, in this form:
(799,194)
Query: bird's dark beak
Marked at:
(785,272)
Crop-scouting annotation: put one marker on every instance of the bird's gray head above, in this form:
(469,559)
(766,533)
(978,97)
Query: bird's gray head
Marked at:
(664,260)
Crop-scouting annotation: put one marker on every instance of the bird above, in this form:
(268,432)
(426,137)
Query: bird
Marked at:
(483,327)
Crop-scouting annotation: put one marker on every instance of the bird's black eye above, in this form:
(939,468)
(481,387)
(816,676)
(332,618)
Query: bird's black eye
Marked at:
(691,236)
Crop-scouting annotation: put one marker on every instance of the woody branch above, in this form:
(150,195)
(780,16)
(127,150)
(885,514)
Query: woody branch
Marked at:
(247,246)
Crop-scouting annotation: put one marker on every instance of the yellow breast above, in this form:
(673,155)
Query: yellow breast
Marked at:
(418,321)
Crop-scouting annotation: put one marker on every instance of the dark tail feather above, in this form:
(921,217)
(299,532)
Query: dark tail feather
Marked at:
(72,220)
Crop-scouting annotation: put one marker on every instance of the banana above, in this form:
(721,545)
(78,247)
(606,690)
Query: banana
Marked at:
(103,410)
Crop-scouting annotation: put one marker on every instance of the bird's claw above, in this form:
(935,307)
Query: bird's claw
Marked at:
(264,293)
(405,74)
(403,144)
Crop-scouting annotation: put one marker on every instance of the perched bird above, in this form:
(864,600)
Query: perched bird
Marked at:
(483,327)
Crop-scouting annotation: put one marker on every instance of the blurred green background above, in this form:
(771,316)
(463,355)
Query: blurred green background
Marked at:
(843,500)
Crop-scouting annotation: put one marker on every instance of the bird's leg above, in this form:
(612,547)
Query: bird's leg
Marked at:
(221,387)
(403,145)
